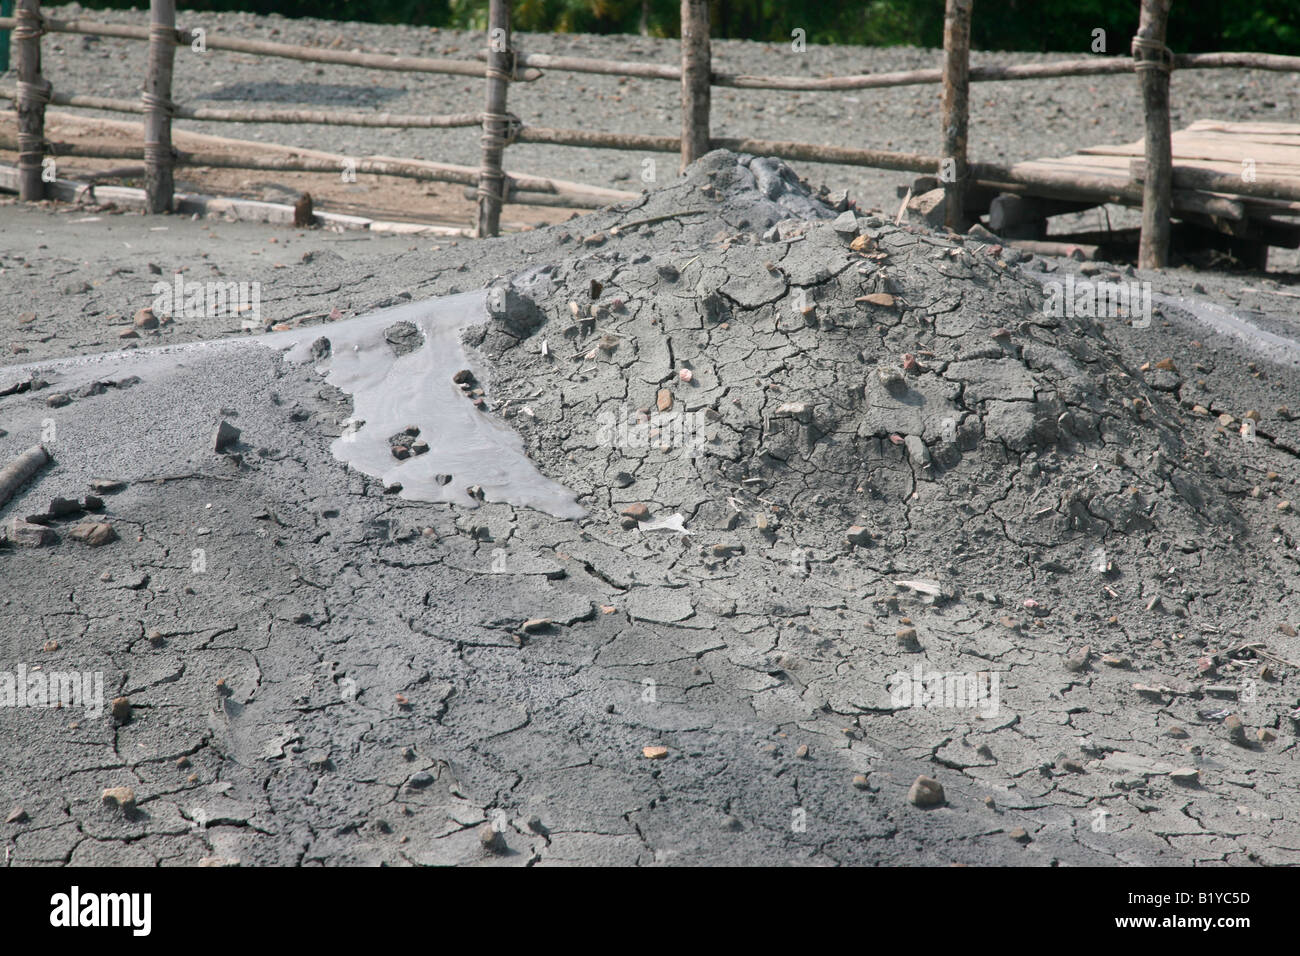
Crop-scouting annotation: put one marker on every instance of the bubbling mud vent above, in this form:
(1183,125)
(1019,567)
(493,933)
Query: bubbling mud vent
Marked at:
(700,501)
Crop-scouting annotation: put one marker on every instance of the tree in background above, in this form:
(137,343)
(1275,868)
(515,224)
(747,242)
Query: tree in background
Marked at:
(1271,26)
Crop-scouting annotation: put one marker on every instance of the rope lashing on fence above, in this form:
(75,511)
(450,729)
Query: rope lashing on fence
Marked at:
(499,131)
(1151,55)
(30,96)
(155,155)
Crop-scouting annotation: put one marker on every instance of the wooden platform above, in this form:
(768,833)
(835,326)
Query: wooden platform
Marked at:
(1240,180)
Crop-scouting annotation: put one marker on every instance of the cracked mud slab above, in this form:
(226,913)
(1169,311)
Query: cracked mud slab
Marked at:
(817,463)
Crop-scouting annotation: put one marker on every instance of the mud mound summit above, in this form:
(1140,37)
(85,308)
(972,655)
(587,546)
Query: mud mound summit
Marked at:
(850,388)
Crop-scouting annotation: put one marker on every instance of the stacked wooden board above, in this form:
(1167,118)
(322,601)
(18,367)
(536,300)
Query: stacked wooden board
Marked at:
(1240,179)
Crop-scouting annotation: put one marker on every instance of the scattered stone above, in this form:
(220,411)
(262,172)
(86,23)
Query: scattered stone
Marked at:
(535,624)
(17,815)
(120,710)
(1235,729)
(882,299)
(1019,834)
(58,400)
(107,486)
(145,319)
(664,400)
(491,839)
(1078,663)
(858,536)
(28,534)
(926,792)
(1265,735)
(846,224)
(654,752)
(1188,776)
(637,512)
(860,782)
(225,436)
(93,533)
(907,639)
(62,507)
(121,798)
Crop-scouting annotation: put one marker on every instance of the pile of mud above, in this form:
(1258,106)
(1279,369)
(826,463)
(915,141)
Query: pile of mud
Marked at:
(864,394)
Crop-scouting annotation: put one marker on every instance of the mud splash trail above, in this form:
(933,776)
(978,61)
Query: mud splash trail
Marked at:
(390,392)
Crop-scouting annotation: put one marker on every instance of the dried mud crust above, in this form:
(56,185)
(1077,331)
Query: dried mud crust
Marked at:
(357,679)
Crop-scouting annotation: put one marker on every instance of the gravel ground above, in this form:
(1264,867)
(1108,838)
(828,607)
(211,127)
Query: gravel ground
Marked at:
(1009,121)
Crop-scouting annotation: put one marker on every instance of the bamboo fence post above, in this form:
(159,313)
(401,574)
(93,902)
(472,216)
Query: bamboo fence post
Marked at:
(697,75)
(33,94)
(158,158)
(955,111)
(1153,62)
(496,121)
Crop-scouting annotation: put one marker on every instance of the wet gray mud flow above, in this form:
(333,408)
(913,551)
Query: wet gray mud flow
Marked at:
(813,505)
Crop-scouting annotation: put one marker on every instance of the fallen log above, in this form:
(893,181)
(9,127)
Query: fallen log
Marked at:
(19,471)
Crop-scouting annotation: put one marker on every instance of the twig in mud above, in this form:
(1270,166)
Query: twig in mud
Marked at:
(1260,648)
(902,207)
(622,227)
(162,479)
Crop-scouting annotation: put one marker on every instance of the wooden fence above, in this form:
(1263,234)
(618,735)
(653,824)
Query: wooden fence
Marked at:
(502,64)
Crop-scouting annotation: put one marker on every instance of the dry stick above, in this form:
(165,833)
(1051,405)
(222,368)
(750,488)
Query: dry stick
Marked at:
(33,94)
(955,112)
(696,72)
(1151,59)
(17,472)
(496,122)
(637,223)
(157,102)
(372,61)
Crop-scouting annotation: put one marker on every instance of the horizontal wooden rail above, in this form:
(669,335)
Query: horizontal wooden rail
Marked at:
(530,65)
(218,115)
(808,152)
(371,61)
(237,154)
(1088,66)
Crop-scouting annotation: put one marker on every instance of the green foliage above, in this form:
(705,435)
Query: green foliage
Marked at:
(1271,26)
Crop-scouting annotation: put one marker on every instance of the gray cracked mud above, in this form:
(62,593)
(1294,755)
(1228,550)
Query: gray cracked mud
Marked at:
(895,466)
